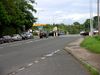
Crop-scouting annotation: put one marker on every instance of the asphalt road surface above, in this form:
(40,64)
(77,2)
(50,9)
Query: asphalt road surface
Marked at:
(39,57)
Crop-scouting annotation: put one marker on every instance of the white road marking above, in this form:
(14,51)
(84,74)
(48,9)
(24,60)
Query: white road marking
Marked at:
(43,57)
(48,55)
(36,61)
(51,54)
(56,51)
(20,69)
(30,64)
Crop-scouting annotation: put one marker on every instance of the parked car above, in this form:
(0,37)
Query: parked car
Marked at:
(1,40)
(7,38)
(24,36)
(29,35)
(16,37)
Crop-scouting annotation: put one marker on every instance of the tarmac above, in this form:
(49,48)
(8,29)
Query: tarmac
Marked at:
(83,54)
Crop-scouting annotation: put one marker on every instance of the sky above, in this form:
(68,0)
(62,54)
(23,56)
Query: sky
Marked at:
(64,11)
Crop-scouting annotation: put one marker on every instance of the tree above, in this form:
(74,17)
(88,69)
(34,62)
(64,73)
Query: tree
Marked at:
(4,18)
(87,25)
(16,14)
(95,22)
(76,23)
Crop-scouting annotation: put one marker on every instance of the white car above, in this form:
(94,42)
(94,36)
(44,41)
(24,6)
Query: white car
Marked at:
(29,35)
(16,37)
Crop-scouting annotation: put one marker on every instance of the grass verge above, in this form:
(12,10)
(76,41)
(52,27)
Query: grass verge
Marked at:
(92,44)
(90,68)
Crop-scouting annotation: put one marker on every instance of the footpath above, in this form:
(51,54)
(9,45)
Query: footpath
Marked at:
(82,54)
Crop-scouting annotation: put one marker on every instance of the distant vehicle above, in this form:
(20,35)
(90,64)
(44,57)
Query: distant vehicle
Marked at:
(61,33)
(16,37)
(43,34)
(51,33)
(84,33)
(95,32)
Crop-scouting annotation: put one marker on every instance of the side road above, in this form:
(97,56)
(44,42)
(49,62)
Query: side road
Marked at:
(82,54)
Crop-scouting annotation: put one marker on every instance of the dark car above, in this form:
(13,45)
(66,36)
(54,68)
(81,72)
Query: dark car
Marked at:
(51,33)
(84,33)
(44,34)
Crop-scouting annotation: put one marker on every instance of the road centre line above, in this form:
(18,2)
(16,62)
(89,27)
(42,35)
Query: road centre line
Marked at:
(51,54)
(21,69)
(43,57)
(36,61)
(30,64)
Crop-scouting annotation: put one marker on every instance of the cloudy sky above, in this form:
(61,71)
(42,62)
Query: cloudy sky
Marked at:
(64,11)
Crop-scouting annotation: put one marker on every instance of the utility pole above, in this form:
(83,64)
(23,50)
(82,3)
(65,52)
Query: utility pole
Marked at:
(98,16)
(91,18)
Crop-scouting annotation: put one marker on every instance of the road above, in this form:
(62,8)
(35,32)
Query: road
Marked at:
(39,57)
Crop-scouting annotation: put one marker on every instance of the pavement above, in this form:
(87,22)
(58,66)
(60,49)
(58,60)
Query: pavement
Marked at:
(82,54)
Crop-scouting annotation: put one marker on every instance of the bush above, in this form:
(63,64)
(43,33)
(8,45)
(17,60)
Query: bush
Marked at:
(97,37)
(92,44)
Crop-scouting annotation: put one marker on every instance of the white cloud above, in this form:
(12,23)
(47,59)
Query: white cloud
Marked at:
(67,11)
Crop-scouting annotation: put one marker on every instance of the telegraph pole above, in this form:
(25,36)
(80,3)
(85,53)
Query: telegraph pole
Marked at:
(98,16)
(91,18)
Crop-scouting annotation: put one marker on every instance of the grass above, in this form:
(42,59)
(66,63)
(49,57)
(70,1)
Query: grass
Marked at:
(91,69)
(92,44)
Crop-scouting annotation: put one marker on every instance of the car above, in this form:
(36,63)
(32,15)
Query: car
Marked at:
(43,34)
(51,33)
(1,40)
(24,36)
(95,32)
(29,35)
(7,39)
(61,33)
(16,37)
(84,33)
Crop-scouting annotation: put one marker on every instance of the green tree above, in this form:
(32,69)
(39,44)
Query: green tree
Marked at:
(76,23)
(95,22)
(87,25)
(16,14)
